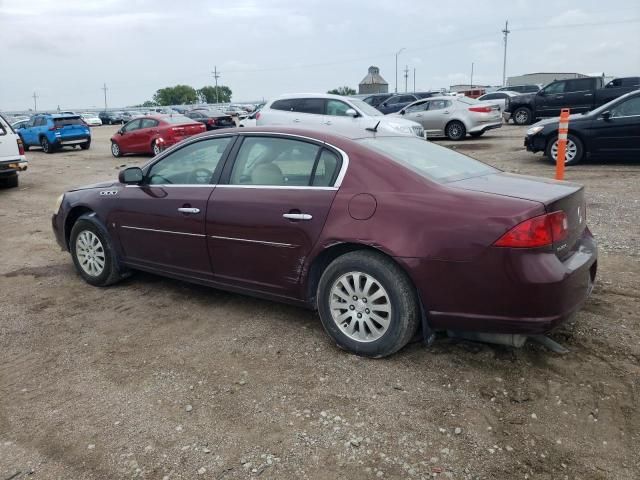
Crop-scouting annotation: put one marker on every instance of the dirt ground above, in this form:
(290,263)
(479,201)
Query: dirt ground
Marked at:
(158,379)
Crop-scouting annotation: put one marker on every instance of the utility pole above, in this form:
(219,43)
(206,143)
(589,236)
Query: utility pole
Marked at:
(104,89)
(35,101)
(414,79)
(406,76)
(506,32)
(216,75)
(397,53)
(471,74)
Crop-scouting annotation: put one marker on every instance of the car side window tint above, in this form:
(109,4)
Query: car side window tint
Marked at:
(148,123)
(326,169)
(272,161)
(439,104)
(337,108)
(309,105)
(627,108)
(578,85)
(131,126)
(193,164)
(555,88)
(286,105)
(418,107)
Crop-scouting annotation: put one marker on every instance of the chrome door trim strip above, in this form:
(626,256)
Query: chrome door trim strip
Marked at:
(278,187)
(128,227)
(262,242)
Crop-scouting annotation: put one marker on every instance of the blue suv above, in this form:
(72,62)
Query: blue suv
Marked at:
(54,131)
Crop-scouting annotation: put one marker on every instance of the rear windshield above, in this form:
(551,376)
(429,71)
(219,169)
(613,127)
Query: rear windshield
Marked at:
(430,161)
(63,122)
(177,119)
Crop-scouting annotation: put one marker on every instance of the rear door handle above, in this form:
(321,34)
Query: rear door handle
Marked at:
(189,210)
(296,120)
(297,216)
(328,122)
(588,94)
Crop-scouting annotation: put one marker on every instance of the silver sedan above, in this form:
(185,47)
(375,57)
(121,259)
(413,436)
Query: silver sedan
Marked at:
(453,117)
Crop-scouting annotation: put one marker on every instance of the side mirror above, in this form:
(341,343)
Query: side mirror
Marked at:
(131,176)
(351,112)
(120,131)
(606,115)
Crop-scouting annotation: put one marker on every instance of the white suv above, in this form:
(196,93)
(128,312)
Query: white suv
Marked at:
(12,159)
(323,110)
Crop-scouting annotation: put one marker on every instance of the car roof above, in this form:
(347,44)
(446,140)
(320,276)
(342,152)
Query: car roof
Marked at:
(311,95)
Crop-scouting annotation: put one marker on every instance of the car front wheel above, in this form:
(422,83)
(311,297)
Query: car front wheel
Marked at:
(574,151)
(115,150)
(522,116)
(367,304)
(93,254)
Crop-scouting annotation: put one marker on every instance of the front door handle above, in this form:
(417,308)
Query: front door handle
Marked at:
(588,94)
(297,216)
(188,210)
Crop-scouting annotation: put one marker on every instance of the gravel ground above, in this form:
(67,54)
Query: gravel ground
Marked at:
(154,378)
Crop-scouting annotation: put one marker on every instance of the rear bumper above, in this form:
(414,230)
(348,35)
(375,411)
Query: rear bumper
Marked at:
(535,143)
(506,290)
(12,167)
(483,127)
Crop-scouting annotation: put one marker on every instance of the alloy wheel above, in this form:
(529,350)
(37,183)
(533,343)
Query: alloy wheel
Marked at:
(571,151)
(360,306)
(115,149)
(90,253)
(156,148)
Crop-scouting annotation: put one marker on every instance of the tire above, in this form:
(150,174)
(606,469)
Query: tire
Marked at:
(396,295)
(46,146)
(155,148)
(455,130)
(9,182)
(523,116)
(97,264)
(115,150)
(575,150)
(86,145)
(476,134)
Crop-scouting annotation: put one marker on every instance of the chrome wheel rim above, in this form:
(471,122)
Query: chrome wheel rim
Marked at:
(156,149)
(570,154)
(454,131)
(360,306)
(522,117)
(90,253)
(115,150)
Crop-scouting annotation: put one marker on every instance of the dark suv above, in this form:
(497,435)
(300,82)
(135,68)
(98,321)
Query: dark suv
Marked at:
(111,118)
(397,102)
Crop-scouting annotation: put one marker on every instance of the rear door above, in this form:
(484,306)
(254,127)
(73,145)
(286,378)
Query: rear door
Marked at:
(161,223)
(550,100)
(578,95)
(148,129)
(439,113)
(308,111)
(264,221)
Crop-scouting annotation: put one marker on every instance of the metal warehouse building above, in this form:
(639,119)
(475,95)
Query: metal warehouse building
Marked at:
(541,78)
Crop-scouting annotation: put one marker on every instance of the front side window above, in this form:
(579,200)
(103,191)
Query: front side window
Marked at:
(337,108)
(555,88)
(418,107)
(268,161)
(193,164)
(627,108)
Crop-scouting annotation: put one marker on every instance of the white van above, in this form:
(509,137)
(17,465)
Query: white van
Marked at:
(12,159)
(323,110)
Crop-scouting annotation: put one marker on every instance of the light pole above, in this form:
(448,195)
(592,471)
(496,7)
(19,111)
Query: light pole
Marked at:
(398,53)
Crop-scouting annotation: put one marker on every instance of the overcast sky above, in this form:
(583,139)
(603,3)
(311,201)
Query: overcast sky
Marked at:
(65,49)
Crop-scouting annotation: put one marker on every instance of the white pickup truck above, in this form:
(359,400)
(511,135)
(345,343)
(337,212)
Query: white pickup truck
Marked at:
(12,159)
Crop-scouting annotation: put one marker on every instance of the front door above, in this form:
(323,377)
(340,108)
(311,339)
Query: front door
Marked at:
(128,140)
(620,133)
(161,223)
(436,117)
(550,100)
(578,95)
(264,222)
(416,113)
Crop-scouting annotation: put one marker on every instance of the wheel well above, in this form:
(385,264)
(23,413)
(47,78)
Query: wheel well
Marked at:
(452,121)
(553,135)
(516,107)
(72,216)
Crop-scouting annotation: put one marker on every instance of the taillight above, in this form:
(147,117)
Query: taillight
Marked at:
(480,109)
(211,121)
(20,146)
(536,232)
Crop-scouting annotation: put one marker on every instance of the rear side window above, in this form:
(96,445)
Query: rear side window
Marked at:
(177,119)
(267,161)
(430,161)
(148,123)
(402,99)
(578,85)
(309,105)
(63,122)
(286,105)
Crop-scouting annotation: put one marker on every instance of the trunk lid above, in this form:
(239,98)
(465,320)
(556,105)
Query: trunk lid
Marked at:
(71,127)
(553,194)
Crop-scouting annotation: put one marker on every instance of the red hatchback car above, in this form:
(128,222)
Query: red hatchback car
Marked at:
(153,133)
(381,234)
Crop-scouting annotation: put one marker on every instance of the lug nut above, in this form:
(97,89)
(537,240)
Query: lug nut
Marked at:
(351,307)
(366,310)
(355,298)
(359,315)
(364,300)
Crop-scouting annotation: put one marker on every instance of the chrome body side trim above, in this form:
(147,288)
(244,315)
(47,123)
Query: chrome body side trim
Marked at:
(246,240)
(128,227)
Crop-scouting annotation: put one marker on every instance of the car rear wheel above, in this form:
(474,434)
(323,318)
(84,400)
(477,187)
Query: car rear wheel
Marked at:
(455,130)
(155,147)
(46,146)
(93,254)
(573,154)
(9,182)
(522,116)
(367,304)
(115,150)
(85,146)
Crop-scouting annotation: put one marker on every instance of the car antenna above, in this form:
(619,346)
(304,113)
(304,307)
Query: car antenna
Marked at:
(374,129)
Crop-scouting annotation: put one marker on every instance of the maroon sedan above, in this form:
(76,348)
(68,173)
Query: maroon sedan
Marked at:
(382,234)
(153,133)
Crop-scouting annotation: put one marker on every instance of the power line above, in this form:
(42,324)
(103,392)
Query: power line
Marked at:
(216,75)
(406,76)
(35,101)
(104,88)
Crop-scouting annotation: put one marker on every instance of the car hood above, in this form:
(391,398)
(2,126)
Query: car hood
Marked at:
(392,119)
(572,118)
(94,185)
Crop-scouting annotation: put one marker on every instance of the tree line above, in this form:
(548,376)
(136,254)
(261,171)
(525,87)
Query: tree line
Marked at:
(186,95)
